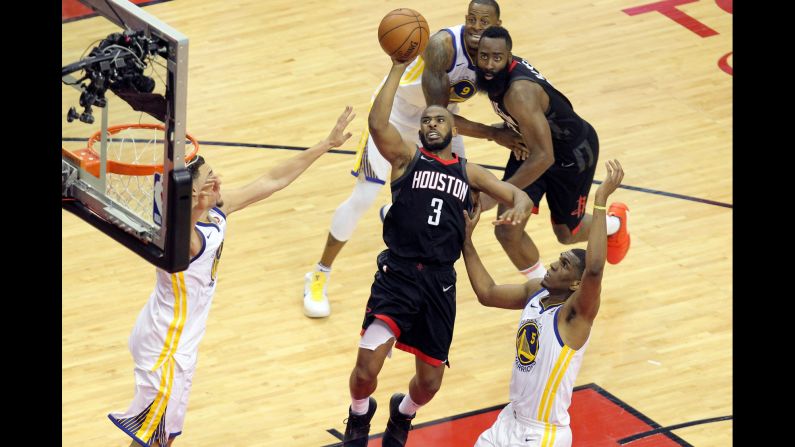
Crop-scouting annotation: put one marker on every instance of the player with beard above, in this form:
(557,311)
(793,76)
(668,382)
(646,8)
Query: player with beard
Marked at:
(444,75)
(564,149)
(412,299)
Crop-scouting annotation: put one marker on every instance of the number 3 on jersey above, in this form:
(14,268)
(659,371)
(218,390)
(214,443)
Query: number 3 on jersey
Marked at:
(433,219)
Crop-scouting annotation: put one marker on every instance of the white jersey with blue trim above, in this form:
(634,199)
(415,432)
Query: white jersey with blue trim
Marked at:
(173,321)
(461,73)
(544,367)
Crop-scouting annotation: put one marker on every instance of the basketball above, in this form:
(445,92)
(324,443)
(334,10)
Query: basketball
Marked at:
(403,33)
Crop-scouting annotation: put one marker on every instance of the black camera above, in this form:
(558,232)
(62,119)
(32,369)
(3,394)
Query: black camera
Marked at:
(117,63)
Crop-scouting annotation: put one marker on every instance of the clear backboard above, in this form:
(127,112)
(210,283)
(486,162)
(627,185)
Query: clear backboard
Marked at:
(129,181)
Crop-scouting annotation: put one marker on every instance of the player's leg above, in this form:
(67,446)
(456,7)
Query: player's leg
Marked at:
(567,195)
(429,340)
(147,420)
(375,345)
(516,243)
(372,170)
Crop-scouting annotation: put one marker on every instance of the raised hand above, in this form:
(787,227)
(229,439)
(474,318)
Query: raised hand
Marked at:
(208,195)
(615,173)
(338,136)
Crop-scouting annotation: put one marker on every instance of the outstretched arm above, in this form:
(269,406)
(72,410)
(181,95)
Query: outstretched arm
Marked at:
(508,296)
(483,180)
(581,308)
(284,174)
(524,102)
(385,136)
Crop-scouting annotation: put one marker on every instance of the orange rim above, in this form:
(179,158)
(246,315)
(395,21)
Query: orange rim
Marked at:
(117,167)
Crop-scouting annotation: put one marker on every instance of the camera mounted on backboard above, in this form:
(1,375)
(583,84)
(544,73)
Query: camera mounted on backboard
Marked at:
(117,63)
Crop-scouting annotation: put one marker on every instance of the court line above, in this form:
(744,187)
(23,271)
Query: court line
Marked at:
(497,168)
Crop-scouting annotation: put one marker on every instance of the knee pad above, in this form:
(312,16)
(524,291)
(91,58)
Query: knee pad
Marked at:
(351,210)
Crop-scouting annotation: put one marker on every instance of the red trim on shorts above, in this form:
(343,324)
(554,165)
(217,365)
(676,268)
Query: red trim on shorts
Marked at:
(435,157)
(576,229)
(422,356)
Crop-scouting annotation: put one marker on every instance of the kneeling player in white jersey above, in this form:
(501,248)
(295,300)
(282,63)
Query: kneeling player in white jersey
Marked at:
(557,314)
(165,340)
(444,75)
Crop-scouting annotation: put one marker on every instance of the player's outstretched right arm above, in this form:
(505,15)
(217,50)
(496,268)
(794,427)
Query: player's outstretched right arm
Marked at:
(386,137)
(579,311)
(507,296)
(283,174)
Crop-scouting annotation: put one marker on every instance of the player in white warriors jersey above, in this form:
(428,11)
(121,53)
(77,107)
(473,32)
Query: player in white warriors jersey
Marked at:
(443,75)
(557,314)
(165,340)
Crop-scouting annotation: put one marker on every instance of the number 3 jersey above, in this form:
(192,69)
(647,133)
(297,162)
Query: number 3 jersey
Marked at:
(426,220)
(173,321)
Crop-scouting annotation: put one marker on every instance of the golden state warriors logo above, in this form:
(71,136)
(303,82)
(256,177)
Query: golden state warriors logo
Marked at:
(462,90)
(527,344)
(214,271)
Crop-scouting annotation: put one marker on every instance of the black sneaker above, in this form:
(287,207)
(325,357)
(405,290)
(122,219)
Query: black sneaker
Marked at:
(397,429)
(357,427)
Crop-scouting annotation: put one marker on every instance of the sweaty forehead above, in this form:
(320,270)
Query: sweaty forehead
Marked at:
(432,111)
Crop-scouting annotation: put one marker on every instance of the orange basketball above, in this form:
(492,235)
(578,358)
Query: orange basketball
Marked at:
(403,33)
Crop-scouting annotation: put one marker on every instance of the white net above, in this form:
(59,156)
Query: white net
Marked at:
(132,184)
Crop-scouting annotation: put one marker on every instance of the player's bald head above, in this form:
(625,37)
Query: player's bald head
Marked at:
(435,110)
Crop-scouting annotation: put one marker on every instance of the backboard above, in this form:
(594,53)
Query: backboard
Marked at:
(134,70)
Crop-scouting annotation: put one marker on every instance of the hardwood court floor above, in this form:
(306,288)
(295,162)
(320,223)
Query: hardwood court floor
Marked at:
(279,72)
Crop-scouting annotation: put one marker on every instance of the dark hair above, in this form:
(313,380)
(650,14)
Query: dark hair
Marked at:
(193,166)
(498,32)
(580,254)
(491,3)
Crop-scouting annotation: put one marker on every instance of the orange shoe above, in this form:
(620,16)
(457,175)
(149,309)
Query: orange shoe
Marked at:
(618,242)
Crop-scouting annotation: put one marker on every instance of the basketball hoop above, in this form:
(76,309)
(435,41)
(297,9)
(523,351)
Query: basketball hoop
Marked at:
(134,166)
(134,149)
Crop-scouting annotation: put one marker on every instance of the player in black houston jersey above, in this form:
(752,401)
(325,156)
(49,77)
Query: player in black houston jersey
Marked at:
(412,299)
(563,151)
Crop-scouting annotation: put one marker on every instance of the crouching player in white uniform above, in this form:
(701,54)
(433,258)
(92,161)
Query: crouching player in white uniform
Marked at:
(165,340)
(557,314)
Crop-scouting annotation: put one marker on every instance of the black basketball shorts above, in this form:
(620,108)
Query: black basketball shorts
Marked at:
(417,301)
(566,185)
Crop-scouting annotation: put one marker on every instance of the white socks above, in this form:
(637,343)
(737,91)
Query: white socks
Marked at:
(613,224)
(536,270)
(360,406)
(408,406)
